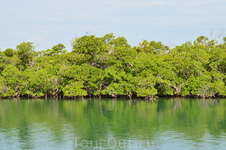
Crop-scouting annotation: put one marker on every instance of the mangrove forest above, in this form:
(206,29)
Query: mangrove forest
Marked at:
(110,67)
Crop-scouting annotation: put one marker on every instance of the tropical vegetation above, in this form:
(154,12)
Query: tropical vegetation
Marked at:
(108,66)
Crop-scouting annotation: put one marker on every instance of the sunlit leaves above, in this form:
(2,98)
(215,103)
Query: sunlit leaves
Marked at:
(74,89)
(25,51)
(109,66)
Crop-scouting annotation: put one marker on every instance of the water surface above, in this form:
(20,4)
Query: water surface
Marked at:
(113,124)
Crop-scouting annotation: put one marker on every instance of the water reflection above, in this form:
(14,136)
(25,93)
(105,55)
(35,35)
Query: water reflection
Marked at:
(104,124)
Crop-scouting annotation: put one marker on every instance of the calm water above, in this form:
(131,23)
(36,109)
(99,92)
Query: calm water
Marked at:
(112,124)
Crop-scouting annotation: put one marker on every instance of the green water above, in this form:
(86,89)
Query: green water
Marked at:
(112,124)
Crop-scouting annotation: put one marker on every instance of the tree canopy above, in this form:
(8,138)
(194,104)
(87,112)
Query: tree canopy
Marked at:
(109,66)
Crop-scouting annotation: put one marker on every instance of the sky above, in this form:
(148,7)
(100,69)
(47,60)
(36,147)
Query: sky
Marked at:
(49,22)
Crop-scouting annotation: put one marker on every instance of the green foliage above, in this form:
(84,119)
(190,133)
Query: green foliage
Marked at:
(152,47)
(90,46)
(25,51)
(55,50)
(9,52)
(74,89)
(109,66)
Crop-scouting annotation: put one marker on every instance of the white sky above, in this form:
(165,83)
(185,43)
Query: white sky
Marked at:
(49,22)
